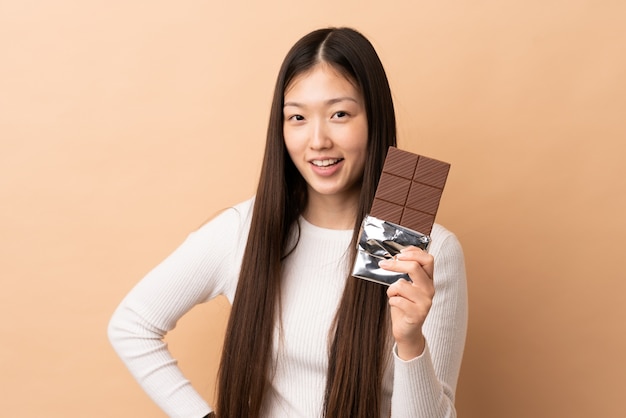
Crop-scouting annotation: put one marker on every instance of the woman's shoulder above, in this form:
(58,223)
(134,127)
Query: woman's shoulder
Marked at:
(230,219)
(445,240)
(440,232)
(244,207)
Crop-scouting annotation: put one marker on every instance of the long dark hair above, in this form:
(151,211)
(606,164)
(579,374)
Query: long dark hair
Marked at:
(360,333)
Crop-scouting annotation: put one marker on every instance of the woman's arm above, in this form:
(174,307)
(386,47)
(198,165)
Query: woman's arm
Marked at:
(204,266)
(425,385)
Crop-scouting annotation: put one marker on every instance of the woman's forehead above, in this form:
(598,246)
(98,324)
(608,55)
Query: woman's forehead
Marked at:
(321,68)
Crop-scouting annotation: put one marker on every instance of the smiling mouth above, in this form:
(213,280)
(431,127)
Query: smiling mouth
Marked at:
(326,163)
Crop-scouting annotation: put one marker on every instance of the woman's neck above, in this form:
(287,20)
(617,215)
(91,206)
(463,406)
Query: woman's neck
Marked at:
(331,212)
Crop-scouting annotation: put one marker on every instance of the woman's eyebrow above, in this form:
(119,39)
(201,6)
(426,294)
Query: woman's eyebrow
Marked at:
(327,102)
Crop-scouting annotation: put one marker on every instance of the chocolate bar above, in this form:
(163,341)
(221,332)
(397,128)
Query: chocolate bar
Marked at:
(409,190)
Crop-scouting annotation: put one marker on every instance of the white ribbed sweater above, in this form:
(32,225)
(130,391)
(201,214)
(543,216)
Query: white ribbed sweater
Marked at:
(207,264)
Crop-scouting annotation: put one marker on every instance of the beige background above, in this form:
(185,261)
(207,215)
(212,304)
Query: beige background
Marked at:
(125,124)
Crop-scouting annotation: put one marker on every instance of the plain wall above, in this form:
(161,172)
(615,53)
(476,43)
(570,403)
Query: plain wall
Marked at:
(124,125)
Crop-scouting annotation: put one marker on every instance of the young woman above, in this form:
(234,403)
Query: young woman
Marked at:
(304,338)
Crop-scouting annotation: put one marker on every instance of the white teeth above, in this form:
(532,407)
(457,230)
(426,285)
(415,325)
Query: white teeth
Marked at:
(324,163)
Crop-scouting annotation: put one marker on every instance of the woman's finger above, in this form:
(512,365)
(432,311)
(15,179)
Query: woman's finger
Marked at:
(415,292)
(418,255)
(418,264)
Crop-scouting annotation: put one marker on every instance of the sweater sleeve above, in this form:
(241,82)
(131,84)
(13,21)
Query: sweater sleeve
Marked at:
(204,266)
(425,386)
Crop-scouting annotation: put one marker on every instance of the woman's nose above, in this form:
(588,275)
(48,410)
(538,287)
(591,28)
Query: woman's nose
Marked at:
(320,138)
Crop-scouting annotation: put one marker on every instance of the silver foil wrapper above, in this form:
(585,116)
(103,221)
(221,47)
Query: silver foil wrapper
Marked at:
(380,240)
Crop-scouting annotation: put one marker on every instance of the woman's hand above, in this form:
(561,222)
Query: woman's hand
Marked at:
(410,302)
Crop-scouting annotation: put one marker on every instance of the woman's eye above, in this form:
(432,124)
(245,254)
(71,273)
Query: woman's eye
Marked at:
(340,114)
(296,117)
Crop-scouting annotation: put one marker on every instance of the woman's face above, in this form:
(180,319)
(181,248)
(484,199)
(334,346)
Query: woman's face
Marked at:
(325,130)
